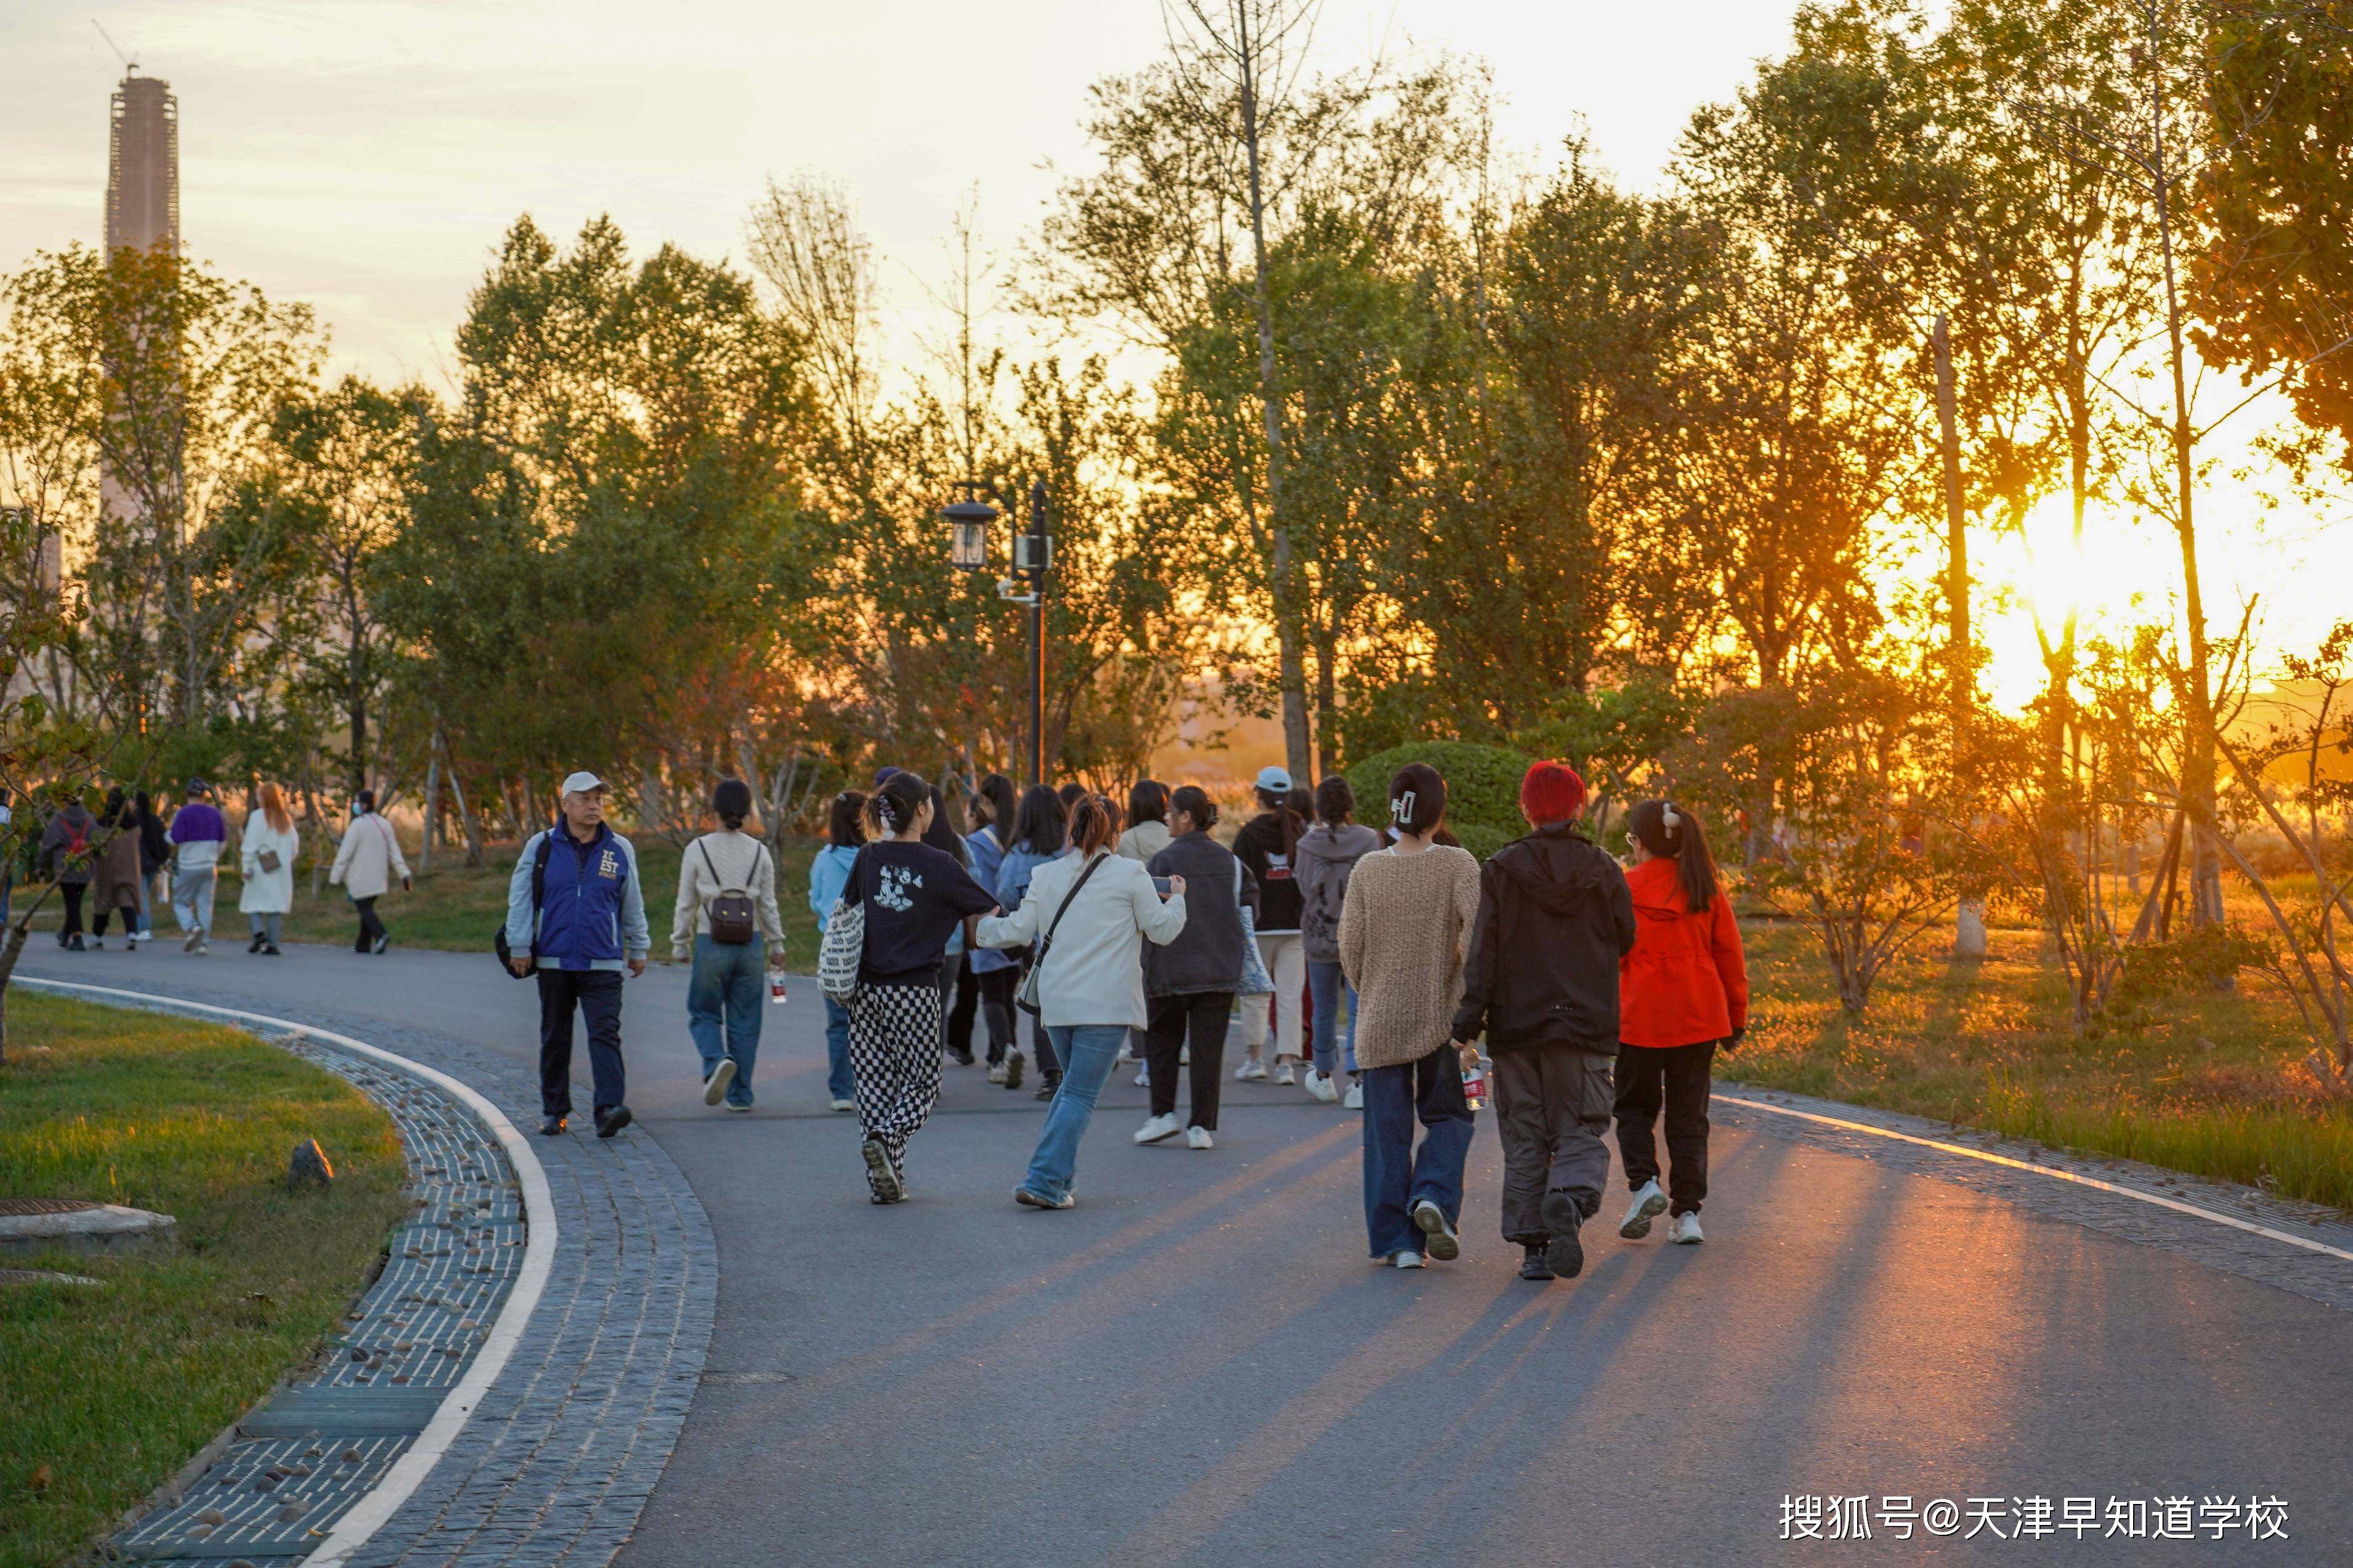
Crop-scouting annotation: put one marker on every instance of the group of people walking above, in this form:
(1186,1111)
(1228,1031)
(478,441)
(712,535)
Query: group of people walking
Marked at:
(132,855)
(1381,958)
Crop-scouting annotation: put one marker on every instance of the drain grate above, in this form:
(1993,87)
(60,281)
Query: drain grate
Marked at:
(280,1496)
(280,1490)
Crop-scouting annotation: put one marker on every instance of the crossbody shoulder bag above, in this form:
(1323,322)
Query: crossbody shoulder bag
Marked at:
(1027,998)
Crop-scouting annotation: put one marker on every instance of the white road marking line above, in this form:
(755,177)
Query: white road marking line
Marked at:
(2164,1203)
(409,1472)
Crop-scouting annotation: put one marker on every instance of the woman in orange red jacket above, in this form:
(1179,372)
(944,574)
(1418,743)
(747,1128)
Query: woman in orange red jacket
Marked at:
(1681,993)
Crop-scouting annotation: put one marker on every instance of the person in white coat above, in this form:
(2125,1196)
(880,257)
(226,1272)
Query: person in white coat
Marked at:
(265,860)
(1090,976)
(366,865)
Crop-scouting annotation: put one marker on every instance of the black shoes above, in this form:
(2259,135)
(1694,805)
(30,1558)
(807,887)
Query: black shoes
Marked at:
(255,945)
(383,941)
(551,1126)
(1533,1266)
(612,1119)
(270,950)
(1048,1083)
(960,1055)
(1564,1253)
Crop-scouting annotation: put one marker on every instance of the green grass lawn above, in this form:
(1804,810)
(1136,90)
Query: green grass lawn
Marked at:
(2210,1088)
(113,1388)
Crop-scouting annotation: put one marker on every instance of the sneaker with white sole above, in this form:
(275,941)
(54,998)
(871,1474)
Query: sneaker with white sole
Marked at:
(1407,1260)
(1647,1205)
(188,943)
(1355,1099)
(1159,1128)
(1251,1067)
(996,1072)
(844,1105)
(1683,1230)
(1013,1063)
(1321,1086)
(1030,1200)
(1431,1220)
(1285,1075)
(887,1188)
(1199,1138)
(714,1086)
(1143,1077)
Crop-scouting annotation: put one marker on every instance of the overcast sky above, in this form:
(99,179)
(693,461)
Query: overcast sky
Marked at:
(365,154)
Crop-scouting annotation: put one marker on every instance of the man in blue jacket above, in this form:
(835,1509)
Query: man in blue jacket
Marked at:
(576,914)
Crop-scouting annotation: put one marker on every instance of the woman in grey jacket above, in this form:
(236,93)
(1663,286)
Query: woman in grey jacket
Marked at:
(1189,983)
(1326,854)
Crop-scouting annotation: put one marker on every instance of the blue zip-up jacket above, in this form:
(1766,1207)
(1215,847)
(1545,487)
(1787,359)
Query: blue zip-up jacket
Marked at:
(594,912)
(987,856)
(829,874)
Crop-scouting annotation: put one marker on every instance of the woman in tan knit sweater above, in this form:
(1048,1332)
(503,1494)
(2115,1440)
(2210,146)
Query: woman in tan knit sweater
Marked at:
(1405,929)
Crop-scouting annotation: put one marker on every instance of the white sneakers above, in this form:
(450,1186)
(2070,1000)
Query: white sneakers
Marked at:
(844,1105)
(1321,1086)
(1284,1074)
(996,1071)
(1647,1205)
(1355,1099)
(1159,1128)
(1199,1138)
(1431,1220)
(715,1087)
(1143,1077)
(1408,1261)
(1683,1230)
(1251,1067)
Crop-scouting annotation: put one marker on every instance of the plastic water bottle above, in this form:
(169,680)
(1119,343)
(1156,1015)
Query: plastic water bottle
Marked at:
(775,990)
(1474,1085)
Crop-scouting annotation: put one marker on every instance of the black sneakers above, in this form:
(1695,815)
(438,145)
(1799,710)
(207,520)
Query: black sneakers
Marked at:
(1047,1084)
(1534,1266)
(1565,1253)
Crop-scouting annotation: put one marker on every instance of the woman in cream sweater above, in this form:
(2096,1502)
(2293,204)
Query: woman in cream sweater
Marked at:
(1404,931)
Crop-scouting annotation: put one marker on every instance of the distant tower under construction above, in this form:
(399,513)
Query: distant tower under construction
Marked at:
(143,166)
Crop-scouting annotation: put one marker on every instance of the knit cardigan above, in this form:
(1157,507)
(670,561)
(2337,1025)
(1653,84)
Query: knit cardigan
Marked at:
(1404,931)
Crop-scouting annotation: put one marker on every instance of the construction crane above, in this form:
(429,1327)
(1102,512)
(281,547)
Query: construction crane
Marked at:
(130,66)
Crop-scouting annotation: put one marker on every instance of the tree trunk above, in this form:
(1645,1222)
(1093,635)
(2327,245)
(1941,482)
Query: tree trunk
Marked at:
(432,805)
(465,816)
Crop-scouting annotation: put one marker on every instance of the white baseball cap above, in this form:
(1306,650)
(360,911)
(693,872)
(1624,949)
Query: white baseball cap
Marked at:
(582,783)
(1272,777)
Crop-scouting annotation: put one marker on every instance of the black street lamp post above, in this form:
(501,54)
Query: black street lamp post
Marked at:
(1033,552)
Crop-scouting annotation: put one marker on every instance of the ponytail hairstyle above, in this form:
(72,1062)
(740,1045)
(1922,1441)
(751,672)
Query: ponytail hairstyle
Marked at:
(1416,799)
(731,803)
(1038,827)
(1335,803)
(846,827)
(1004,803)
(1095,823)
(891,809)
(1194,802)
(1672,831)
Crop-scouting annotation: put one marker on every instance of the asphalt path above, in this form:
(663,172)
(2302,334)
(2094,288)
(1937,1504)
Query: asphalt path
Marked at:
(1198,1367)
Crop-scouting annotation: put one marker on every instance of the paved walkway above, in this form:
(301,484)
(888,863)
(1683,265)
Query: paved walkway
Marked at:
(1196,1366)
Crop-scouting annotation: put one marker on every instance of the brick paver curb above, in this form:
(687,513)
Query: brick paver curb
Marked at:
(565,1448)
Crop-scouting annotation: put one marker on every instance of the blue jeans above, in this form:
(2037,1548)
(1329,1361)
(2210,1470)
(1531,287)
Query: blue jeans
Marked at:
(1325,984)
(1395,1181)
(840,1081)
(1087,1052)
(723,1007)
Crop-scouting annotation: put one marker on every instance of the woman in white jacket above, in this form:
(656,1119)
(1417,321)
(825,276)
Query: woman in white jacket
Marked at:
(1090,977)
(366,865)
(265,860)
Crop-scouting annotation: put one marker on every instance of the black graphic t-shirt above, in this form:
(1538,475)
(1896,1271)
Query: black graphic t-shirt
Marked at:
(914,896)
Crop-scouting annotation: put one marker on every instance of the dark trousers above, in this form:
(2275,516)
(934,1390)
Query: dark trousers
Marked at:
(73,893)
(966,1005)
(1198,1018)
(372,928)
(129,919)
(996,988)
(1430,1090)
(1552,1106)
(1678,1075)
(596,994)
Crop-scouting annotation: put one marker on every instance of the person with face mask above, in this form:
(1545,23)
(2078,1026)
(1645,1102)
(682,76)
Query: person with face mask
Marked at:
(365,866)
